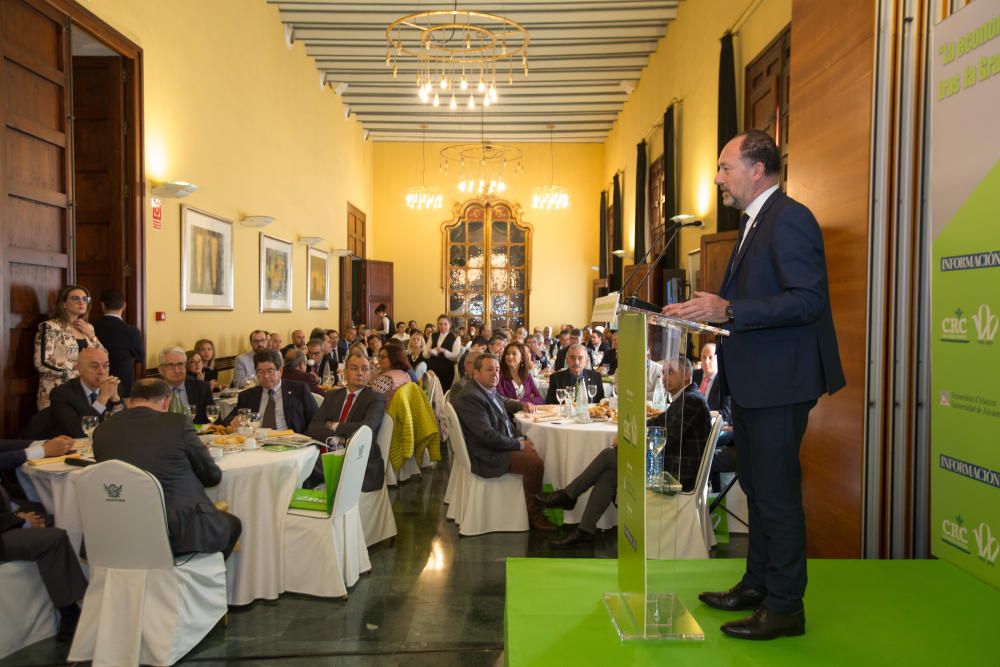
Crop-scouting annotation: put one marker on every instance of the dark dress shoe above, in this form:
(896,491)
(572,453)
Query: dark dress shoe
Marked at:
(765,624)
(559,499)
(575,538)
(736,598)
(544,525)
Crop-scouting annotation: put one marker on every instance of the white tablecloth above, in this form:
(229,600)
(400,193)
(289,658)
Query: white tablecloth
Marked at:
(543,387)
(567,448)
(257,485)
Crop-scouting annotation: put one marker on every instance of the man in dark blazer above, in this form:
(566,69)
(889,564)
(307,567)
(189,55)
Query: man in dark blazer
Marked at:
(780,358)
(496,446)
(576,366)
(705,378)
(294,410)
(343,412)
(94,393)
(15,452)
(185,390)
(165,444)
(122,340)
(296,368)
(687,424)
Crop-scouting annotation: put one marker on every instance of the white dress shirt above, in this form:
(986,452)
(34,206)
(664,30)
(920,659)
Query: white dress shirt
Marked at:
(751,211)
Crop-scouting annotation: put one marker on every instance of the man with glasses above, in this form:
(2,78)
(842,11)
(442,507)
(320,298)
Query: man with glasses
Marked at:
(94,393)
(282,404)
(243,365)
(186,391)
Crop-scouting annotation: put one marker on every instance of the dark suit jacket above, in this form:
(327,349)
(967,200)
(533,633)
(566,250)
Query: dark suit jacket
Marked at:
(296,401)
(301,376)
(688,424)
(199,395)
(124,344)
(715,399)
(69,404)
(483,429)
(330,362)
(368,409)
(13,454)
(165,444)
(563,378)
(784,348)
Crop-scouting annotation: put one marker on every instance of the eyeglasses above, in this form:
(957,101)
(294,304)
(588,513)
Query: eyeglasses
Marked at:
(78,299)
(178,364)
(267,371)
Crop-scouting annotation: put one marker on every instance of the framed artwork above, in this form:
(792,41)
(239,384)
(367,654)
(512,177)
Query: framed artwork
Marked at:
(206,261)
(318,268)
(275,275)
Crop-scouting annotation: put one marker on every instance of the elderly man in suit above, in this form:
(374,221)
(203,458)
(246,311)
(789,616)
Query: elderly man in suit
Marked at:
(344,411)
(165,444)
(576,367)
(687,422)
(496,447)
(281,403)
(186,390)
(780,358)
(122,340)
(297,368)
(243,364)
(94,393)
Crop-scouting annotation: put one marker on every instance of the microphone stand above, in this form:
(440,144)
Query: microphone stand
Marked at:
(633,300)
(659,237)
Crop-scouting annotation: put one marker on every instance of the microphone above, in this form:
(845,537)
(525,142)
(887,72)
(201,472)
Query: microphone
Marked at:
(634,300)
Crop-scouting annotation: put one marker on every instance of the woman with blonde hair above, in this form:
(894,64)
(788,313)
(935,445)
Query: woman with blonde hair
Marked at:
(206,350)
(60,339)
(415,354)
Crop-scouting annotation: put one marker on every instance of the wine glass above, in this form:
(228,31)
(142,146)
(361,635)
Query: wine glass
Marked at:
(254,422)
(561,397)
(212,413)
(598,357)
(89,424)
(190,411)
(591,390)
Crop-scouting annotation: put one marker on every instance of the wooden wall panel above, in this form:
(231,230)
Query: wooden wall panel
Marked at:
(832,59)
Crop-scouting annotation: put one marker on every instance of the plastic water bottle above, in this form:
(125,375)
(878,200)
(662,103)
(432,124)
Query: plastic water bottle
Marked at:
(655,442)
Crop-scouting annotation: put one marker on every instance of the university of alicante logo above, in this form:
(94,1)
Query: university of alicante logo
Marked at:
(114,492)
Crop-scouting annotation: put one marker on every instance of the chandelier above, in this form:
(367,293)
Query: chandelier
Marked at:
(424,196)
(458,54)
(482,167)
(550,196)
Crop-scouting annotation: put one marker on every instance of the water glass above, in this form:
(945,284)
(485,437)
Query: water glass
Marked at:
(591,390)
(243,415)
(89,425)
(212,413)
(190,411)
(254,421)
(656,441)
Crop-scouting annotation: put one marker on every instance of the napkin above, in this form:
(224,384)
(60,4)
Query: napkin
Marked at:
(51,459)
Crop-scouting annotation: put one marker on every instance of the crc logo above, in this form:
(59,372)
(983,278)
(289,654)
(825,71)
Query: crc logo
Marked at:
(955,329)
(986,324)
(114,492)
(955,534)
(987,545)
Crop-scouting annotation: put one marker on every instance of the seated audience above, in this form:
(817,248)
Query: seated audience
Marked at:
(479,345)
(196,369)
(346,340)
(520,335)
(374,345)
(93,393)
(282,404)
(298,342)
(596,342)
(496,446)
(296,369)
(334,338)
(243,364)
(611,355)
(15,452)
(515,379)
(185,391)
(346,409)
(687,423)
(469,361)
(497,345)
(165,444)
(60,339)
(394,371)
(539,355)
(725,450)
(415,354)
(274,341)
(574,337)
(206,350)
(576,360)
(654,375)
(401,334)
(122,340)
(559,343)
(428,331)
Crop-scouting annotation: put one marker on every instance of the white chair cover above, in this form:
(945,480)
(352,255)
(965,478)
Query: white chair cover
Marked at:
(140,607)
(377,519)
(679,527)
(485,505)
(26,612)
(324,556)
(455,476)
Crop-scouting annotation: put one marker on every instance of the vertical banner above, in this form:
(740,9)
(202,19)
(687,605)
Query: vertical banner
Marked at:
(632,455)
(965,290)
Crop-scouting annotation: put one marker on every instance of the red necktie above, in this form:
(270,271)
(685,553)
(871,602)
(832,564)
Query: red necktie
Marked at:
(347,406)
(704,386)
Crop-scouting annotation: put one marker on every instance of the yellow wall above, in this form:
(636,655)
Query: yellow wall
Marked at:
(564,242)
(230,108)
(686,66)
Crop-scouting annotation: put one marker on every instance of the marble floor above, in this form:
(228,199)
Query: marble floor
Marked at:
(432,598)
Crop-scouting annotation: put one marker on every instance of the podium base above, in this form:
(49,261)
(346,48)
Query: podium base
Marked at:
(655,617)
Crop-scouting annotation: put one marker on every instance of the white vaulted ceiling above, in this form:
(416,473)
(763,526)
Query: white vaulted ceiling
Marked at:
(583,56)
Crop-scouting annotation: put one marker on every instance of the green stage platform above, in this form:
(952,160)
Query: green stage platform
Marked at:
(858,613)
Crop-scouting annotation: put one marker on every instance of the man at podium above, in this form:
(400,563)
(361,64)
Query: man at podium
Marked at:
(780,357)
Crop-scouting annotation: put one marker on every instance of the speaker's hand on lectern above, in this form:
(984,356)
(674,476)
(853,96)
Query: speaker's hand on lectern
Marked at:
(702,307)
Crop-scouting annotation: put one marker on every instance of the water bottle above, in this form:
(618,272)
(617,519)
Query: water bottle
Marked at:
(582,400)
(655,441)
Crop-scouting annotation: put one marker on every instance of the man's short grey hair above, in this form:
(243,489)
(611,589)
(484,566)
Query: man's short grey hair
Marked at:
(576,346)
(294,358)
(538,338)
(471,356)
(161,358)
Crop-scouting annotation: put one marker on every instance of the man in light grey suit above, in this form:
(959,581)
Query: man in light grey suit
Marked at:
(243,367)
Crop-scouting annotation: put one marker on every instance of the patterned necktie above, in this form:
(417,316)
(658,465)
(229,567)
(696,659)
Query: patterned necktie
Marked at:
(176,404)
(268,420)
(93,397)
(347,407)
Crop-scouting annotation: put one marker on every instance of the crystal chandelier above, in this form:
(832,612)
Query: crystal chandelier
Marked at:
(424,196)
(550,196)
(458,53)
(483,167)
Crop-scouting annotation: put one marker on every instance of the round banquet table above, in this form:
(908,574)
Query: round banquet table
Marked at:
(567,448)
(257,485)
(543,386)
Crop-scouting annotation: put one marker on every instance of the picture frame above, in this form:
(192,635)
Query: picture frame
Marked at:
(275,275)
(206,260)
(318,279)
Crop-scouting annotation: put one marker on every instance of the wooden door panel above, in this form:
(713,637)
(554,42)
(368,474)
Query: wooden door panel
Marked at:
(346,302)
(36,31)
(38,226)
(41,101)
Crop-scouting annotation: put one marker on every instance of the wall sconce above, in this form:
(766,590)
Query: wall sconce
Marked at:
(618,253)
(256,221)
(172,189)
(682,218)
(341,252)
(311,240)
